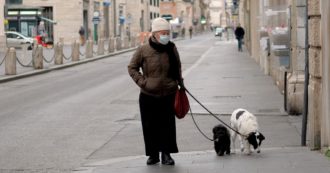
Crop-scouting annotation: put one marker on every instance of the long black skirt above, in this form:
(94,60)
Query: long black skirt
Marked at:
(158,124)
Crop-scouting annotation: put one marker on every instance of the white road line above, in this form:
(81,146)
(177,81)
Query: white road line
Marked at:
(197,63)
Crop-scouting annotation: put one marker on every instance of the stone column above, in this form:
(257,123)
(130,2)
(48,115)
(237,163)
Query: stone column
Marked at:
(254,29)
(118,43)
(38,60)
(10,62)
(111,46)
(325,24)
(314,88)
(89,49)
(75,51)
(295,80)
(100,47)
(126,43)
(58,54)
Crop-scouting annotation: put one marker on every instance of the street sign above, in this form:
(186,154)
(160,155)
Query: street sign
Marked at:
(106,3)
(96,14)
(121,20)
(96,20)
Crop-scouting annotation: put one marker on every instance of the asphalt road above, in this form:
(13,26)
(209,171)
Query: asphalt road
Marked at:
(63,119)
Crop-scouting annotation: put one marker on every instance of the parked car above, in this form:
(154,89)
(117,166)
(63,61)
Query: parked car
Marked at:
(17,40)
(218,31)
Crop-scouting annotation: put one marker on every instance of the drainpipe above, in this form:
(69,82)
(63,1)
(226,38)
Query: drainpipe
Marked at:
(305,111)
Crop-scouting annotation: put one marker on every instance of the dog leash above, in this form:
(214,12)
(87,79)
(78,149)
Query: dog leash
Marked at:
(192,96)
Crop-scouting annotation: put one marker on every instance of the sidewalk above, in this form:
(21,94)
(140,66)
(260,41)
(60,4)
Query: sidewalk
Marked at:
(271,160)
(224,79)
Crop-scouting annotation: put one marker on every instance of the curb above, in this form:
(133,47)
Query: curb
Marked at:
(63,66)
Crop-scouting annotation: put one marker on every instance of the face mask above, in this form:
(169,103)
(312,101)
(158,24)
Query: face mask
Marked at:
(164,39)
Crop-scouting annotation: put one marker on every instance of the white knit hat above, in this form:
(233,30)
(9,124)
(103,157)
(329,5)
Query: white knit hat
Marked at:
(159,24)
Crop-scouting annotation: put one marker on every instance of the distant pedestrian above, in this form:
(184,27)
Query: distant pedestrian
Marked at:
(239,33)
(183,32)
(82,35)
(190,31)
(156,68)
(42,31)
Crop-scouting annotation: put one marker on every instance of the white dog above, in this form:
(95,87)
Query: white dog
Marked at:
(246,124)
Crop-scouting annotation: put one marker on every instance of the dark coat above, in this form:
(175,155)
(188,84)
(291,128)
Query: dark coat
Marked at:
(154,79)
(239,32)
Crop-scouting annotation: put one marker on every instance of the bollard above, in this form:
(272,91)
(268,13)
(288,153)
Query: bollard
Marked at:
(10,62)
(100,47)
(133,44)
(58,53)
(111,45)
(118,43)
(126,43)
(38,60)
(75,51)
(89,49)
(62,40)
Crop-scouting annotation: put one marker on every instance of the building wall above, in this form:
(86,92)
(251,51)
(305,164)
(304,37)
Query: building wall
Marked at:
(134,9)
(187,10)
(325,30)
(216,9)
(69,17)
(315,70)
(254,28)
(2,29)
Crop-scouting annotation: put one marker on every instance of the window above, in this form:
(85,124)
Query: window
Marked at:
(142,20)
(150,2)
(155,3)
(142,1)
(14,1)
(150,15)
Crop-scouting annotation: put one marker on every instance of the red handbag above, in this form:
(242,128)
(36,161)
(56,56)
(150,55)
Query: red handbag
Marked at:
(181,103)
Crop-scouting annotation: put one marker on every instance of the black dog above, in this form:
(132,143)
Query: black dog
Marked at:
(221,139)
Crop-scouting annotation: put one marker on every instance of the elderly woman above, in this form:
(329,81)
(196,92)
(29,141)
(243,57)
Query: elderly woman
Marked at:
(161,74)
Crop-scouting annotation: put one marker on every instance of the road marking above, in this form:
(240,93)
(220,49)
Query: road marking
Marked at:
(197,63)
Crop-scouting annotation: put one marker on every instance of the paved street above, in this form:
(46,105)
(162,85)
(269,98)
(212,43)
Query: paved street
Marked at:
(86,118)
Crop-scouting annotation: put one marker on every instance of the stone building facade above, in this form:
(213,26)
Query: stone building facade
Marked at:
(318,40)
(114,17)
(217,7)
(319,78)
(325,66)
(69,17)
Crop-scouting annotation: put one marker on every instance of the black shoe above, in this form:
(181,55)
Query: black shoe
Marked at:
(152,160)
(167,159)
